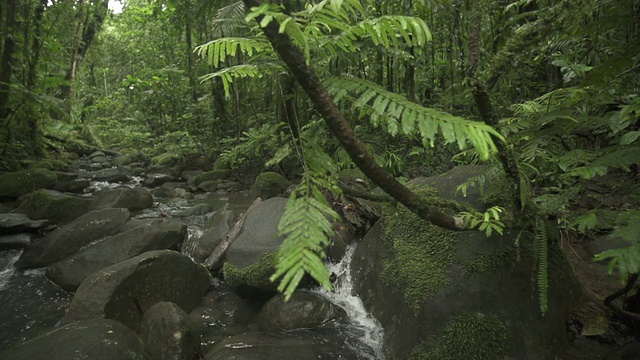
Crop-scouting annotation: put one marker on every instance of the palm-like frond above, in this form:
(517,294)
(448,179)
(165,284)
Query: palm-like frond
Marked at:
(396,113)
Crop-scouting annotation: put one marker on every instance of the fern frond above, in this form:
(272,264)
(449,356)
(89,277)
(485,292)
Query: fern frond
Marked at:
(241,71)
(386,31)
(542,240)
(395,110)
(480,180)
(625,260)
(217,51)
(306,225)
(228,19)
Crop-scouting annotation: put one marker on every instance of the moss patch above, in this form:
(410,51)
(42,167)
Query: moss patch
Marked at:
(13,185)
(417,254)
(256,275)
(268,185)
(488,262)
(475,336)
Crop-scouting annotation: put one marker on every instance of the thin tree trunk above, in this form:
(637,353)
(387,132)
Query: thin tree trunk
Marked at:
(338,125)
(6,59)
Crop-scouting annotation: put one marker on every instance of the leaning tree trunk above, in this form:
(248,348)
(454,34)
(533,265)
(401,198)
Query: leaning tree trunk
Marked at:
(295,60)
(6,59)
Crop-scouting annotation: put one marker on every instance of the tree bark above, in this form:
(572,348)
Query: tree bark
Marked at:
(338,125)
(6,59)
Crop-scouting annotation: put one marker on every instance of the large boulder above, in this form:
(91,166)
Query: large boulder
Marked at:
(250,258)
(137,198)
(15,241)
(69,238)
(219,226)
(95,339)
(16,223)
(110,175)
(268,185)
(441,294)
(53,205)
(169,333)
(210,176)
(304,310)
(16,184)
(126,290)
(155,180)
(70,272)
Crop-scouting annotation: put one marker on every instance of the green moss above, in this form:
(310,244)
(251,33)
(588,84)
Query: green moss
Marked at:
(13,185)
(164,159)
(50,164)
(349,176)
(221,164)
(256,275)
(498,193)
(487,262)
(417,254)
(268,185)
(474,336)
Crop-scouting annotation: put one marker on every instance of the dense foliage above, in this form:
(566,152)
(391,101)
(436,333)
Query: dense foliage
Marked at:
(546,92)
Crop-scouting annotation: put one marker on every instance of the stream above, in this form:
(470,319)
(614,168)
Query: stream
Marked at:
(32,305)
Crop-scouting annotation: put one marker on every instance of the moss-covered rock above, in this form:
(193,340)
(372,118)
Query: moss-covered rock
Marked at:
(53,205)
(353,176)
(221,164)
(51,164)
(165,159)
(214,175)
(253,277)
(268,185)
(475,336)
(16,184)
(422,282)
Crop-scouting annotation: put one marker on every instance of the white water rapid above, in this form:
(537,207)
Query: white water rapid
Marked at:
(363,328)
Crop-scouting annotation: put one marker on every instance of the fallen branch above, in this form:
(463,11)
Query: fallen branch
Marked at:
(215,260)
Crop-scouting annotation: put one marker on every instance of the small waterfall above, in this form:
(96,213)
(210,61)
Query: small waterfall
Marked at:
(7,270)
(363,327)
(189,245)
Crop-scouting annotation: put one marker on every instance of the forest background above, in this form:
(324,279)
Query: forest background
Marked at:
(544,92)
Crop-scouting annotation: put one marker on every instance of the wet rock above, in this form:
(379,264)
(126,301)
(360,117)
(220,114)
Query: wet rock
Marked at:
(199,209)
(16,184)
(208,186)
(13,223)
(446,295)
(261,346)
(69,238)
(15,241)
(95,339)
(229,186)
(134,199)
(163,234)
(76,186)
(188,175)
(155,180)
(126,290)
(110,175)
(304,310)
(173,190)
(169,333)
(53,205)
(219,226)
(268,185)
(250,257)
(127,159)
(210,176)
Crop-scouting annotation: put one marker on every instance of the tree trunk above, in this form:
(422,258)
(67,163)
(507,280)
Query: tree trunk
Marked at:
(6,59)
(338,125)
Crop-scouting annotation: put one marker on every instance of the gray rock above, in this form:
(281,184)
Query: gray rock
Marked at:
(220,224)
(96,154)
(163,234)
(69,238)
(127,159)
(258,233)
(199,209)
(169,333)
(187,175)
(126,290)
(432,289)
(155,180)
(171,190)
(15,241)
(304,310)
(208,186)
(16,184)
(13,223)
(134,199)
(4,208)
(53,205)
(95,339)
(110,175)
(210,176)
(73,186)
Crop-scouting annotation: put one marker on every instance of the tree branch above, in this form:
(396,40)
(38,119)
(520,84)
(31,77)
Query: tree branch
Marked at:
(295,60)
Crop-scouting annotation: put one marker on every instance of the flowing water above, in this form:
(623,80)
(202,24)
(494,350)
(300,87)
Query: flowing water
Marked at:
(32,305)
